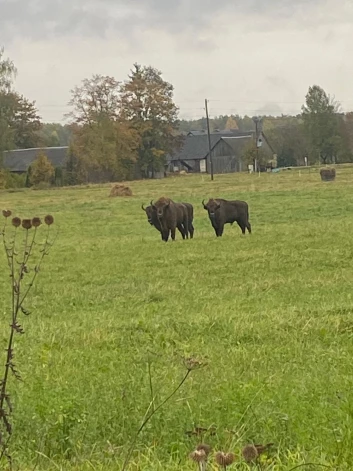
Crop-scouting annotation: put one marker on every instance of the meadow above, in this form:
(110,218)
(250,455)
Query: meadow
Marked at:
(270,314)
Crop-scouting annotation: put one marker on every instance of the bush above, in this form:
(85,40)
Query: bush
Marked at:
(11,180)
(28,177)
(59,176)
(41,170)
(2,179)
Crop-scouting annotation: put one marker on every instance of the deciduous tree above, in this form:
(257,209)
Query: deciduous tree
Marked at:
(147,103)
(251,154)
(104,151)
(8,72)
(25,122)
(96,99)
(19,122)
(55,134)
(104,146)
(288,138)
(231,123)
(321,124)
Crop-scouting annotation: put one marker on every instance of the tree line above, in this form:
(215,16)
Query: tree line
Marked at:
(124,130)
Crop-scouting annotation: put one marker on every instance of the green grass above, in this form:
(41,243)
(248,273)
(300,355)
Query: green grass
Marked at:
(272,313)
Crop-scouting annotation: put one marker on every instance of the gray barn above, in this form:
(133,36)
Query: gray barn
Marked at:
(227,152)
(18,160)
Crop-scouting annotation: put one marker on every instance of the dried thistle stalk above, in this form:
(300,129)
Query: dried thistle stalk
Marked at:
(19,254)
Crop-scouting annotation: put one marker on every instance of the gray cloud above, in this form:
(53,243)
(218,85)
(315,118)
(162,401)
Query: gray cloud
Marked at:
(246,56)
(37,19)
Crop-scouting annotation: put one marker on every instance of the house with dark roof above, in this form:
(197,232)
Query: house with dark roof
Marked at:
(227,152)
(18,160)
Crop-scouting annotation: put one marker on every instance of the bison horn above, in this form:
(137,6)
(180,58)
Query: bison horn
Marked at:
(203,204)
(143,208)
(151,203)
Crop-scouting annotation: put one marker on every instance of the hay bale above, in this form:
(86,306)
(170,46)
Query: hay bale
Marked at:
(327,174)
(183,172)
(120,190)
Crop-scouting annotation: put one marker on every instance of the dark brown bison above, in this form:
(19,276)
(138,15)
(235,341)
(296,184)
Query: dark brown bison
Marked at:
(152,218)
(190,210)
(171,216)
(222,212)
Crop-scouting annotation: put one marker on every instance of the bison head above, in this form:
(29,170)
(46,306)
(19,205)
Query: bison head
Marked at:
(149,213)
(160,206)
(211,206)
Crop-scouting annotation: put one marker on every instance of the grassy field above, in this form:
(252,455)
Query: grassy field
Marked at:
(270,313)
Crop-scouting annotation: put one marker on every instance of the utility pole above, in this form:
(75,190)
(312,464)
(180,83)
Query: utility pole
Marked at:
(257,144)
(209,139)
(257,120)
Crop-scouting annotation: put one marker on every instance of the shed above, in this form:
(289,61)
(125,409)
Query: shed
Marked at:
(18,160)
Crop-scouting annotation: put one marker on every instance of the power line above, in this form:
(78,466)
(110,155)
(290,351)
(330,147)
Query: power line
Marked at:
(180,102)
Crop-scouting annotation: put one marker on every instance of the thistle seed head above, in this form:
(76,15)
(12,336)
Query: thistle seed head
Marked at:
(250,453)
(6,213)
(198,456)
(36,222)
(16,222)
(225,459)
(26,224)
(49,220)
(204,447)
(192,363)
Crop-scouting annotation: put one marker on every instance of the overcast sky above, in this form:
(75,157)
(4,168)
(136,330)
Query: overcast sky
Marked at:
(245,56)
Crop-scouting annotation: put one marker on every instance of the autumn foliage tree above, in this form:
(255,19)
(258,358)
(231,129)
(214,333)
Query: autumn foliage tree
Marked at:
(42,171)
(97,98)
(104,146)
(231,123)
(147,103)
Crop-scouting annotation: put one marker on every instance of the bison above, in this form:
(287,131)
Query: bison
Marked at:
(190,210)
(152,218)
(171,215)
(222,212)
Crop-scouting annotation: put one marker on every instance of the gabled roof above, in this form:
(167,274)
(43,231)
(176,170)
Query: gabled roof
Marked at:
(19,160)
(203,132)
(196,147)
(236,142)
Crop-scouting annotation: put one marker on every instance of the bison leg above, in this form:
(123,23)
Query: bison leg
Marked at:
(242,227)
(191,230)
(165,235)
(220,231)
(215,229)
(181,230)
(248,226)
(186,226)
(172,233)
